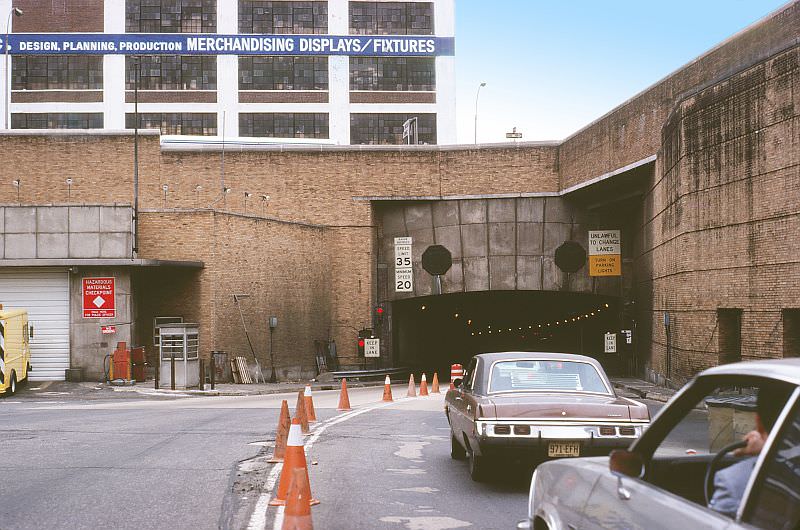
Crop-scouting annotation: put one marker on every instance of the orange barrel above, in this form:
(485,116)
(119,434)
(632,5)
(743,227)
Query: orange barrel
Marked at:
(456,370)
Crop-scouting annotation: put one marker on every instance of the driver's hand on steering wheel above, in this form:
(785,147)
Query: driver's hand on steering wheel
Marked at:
(755,441)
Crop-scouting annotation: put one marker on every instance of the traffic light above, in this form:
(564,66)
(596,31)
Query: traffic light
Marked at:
(378,315)
(362,336)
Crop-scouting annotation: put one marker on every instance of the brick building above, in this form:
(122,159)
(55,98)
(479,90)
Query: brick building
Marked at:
(700,173)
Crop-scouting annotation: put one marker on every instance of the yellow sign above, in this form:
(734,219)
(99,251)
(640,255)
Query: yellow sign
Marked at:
(608,265)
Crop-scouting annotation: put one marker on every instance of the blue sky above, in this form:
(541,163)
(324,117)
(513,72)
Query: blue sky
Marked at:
(552,67)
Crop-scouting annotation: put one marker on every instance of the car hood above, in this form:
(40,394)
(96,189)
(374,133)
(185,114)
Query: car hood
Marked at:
(557,407)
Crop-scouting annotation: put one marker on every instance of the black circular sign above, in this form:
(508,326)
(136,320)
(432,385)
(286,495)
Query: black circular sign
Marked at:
(437,259)
(570,256)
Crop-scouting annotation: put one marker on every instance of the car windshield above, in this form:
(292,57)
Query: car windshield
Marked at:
(532,375)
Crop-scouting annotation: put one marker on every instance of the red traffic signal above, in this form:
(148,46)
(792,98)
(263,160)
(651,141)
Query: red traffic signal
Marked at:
(379,311)
(360,343)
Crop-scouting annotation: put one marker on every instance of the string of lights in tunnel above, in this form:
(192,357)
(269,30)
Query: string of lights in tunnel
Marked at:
(557,322)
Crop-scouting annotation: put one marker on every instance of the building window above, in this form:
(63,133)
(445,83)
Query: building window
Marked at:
(172,72)
(57,72)
(283,73)
(393,73)
(791,332)
(730,335)
(388,128)
(283,125)
(171,16)
(298,18)
(391,18)
(57,120)
(193,124)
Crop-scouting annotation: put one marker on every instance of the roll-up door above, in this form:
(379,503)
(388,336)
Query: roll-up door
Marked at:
(44,292)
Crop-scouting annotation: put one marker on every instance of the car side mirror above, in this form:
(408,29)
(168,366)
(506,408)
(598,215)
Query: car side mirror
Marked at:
(457,382)
(624,462)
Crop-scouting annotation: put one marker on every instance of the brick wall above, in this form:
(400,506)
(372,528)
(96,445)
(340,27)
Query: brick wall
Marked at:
(59,16)
(722,215)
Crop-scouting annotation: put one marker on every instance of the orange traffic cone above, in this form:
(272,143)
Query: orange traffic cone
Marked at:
(300,412)
(344,399)
(295,459)
(387,389)
(412,390)
(297,515)
(423,386)
(309,405)
(435,386)
(282,434)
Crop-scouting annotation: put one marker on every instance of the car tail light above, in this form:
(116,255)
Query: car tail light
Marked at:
(502,429)
(627,431)
(607,431)
(522,429)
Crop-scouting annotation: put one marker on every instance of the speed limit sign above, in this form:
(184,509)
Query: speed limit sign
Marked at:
(403,266)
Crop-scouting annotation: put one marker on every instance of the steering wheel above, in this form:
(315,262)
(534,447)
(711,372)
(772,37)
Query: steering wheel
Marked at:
(710,470)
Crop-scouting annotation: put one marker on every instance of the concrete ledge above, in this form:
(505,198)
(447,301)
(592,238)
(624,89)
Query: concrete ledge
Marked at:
(33,262)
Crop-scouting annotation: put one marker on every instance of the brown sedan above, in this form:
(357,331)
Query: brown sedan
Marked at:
(538,406)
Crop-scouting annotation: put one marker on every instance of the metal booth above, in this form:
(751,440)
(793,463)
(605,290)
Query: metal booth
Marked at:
(179,356)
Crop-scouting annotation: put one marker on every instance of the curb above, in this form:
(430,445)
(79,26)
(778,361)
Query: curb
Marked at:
(236,393)
(644,393)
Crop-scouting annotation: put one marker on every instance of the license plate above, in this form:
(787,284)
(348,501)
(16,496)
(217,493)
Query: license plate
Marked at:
(564,449)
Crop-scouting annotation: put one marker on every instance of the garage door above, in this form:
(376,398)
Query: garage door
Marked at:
(44,292)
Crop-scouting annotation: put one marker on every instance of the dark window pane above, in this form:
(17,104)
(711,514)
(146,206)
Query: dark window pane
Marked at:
(283,73)
(171,16)
(388,128)
(280,17)
(57,72)
(172,72)
(391,18)
(283,125)
(393,73)
(57,120)
(193,124)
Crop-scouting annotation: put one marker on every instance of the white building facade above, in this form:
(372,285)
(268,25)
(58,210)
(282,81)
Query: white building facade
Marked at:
(331,72)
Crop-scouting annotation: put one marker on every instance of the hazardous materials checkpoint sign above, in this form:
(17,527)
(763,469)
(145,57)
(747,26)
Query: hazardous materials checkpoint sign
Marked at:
(98,298)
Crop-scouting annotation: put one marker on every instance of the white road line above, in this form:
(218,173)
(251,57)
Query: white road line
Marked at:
(258,520)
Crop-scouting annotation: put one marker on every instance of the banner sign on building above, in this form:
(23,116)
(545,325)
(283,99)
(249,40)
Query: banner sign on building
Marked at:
(605,253)
(98,298)
(403,270)
(213,44)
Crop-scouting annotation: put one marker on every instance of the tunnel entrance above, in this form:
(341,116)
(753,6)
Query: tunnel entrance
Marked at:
(432,332)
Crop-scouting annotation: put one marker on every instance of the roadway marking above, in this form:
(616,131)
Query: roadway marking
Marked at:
(258,521)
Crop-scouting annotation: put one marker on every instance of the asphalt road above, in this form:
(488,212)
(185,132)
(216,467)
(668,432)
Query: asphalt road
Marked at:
(199,463)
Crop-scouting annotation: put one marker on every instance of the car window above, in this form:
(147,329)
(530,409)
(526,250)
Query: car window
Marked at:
(776,498)
(721,417)
(469,374)
(545,375)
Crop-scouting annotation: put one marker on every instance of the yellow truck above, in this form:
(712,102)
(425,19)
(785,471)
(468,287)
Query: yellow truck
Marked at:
(15,351)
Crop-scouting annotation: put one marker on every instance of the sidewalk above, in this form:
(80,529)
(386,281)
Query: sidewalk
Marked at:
(643,389)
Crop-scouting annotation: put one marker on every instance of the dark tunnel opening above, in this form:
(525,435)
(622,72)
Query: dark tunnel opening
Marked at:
(431,333)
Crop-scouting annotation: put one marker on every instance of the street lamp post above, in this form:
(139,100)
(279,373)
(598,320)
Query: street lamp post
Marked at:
(476,110)
(16,12)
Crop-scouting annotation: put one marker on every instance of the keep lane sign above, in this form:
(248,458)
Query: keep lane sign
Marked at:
(98,298)
(605,253)
(610,343)
(372,347)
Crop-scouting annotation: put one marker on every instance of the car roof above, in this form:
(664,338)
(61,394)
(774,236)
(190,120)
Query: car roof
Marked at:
(544,356)
(782,369)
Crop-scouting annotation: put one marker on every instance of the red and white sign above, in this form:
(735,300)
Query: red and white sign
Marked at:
(98,298)
(108,330)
